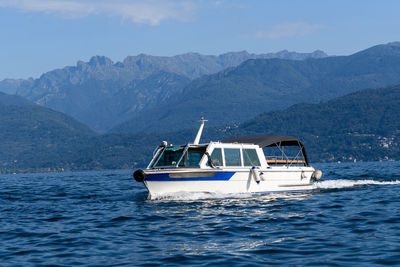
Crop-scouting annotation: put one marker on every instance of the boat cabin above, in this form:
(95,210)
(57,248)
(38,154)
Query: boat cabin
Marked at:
(244,152)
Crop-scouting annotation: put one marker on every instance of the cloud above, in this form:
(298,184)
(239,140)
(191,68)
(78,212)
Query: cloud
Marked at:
(150,12)
(288,30)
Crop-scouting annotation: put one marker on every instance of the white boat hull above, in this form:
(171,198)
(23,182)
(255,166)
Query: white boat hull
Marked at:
(274,179)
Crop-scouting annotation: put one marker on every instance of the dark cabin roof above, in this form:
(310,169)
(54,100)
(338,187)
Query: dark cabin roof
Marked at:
(266,140)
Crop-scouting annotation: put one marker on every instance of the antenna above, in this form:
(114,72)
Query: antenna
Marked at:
(197,139)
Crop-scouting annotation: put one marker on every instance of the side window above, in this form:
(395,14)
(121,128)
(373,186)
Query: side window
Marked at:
(193,157)
(216,157)
(250,157)
(232,157)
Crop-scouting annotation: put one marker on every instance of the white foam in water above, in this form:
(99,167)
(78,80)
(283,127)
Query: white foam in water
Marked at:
(329,184)
(198,196)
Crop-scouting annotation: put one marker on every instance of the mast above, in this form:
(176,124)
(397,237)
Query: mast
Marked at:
(197,139)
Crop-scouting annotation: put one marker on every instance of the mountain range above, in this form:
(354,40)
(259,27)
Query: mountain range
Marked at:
(148,93)
(101,93)
(323,101)
(255,86)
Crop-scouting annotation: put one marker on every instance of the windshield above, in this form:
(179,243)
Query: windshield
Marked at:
(170,156)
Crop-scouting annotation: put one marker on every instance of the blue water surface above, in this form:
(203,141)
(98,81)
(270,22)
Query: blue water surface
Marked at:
(351,218)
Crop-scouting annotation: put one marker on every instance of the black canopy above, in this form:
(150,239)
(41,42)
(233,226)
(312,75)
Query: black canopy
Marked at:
(270,140)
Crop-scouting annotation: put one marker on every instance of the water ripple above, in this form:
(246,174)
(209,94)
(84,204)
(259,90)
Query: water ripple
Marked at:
(352,217)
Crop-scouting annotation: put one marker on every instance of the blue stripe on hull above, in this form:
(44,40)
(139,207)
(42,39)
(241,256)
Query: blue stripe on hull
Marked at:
(219,176)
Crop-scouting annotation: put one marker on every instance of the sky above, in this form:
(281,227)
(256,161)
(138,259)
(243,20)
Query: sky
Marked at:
(37,36)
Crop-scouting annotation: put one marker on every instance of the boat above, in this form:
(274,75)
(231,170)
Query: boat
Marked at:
(236,165)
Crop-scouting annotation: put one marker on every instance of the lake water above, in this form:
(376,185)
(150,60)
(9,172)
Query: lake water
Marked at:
(352,217)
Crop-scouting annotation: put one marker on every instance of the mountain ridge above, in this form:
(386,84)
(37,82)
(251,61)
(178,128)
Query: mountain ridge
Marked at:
(260,85)
(73,89)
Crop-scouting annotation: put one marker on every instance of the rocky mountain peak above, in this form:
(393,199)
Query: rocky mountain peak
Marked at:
(319,54)
(100,61)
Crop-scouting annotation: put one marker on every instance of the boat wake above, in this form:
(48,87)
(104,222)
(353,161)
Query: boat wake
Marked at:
(327,184)
(193,196)
(342,183)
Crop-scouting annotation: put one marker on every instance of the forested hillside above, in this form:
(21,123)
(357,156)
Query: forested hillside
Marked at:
(360,126)
(37,138)
(364,126)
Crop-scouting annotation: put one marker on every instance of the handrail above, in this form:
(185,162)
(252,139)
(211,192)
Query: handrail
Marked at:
(283,161)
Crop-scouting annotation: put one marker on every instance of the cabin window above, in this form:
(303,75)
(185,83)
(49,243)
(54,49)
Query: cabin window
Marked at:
(250,157)
(170,156)
(192,157)
(216,157)
(232,157)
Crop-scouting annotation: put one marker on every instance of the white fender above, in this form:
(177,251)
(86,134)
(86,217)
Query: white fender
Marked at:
(256,174)
(317,174)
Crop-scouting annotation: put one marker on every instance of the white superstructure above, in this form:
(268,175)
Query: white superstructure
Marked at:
(232,166)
